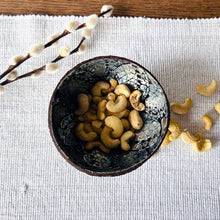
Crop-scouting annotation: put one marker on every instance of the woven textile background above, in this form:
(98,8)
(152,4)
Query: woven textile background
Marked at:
(177,183)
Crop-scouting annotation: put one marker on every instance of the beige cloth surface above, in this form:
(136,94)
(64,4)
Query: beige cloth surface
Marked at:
(177,183)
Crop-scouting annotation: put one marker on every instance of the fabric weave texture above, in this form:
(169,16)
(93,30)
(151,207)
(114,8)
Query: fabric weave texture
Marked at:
(177,183)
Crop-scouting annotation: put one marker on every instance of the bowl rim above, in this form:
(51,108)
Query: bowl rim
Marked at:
(87,171)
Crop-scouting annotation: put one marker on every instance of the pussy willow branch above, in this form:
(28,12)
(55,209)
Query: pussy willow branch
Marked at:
(75,50)
(48,44)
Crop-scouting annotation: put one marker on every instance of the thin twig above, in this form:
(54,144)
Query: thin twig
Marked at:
(12,67)
(65,32)
(75,50)
(105,12)
(48,44)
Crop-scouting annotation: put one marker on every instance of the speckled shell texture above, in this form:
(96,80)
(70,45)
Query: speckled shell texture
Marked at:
(62,120)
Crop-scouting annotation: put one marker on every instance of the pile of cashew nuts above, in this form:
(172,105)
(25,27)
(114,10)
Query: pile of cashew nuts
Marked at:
(175,130)
(109,116)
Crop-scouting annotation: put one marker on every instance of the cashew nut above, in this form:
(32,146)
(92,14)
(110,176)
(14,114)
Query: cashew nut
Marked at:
(207,90)
(126,124)
(135,119)
(92,110)
(97,130)
(81,118)
(181,108)
(113,84)
(90,98)
(97,99)
(217,107)
(83,101)
(82,135)
(125,138)
(111,96)
(87,127)
(92,144)
(90,116)
(122,90)
(122,114)
(166,140)
(189,138)
(117,106)
(107,140)
(98,87)
(175,130)
(202,146)
(208,122)
(101,110)
(97,124)
(135,100)
(116,124)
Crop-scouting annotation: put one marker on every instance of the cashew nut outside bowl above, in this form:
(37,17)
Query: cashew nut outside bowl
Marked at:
(166,140)
(181,108)
(175,130)
(202,146)
(208,122)
(207,90)
(217,107)
(189,138)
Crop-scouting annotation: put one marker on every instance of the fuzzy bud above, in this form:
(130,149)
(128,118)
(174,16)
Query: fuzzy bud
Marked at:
(87,33)
(16,59)
(52,37)
(36,50)
(92,21)
(52,67)
(1,89)
(106,8)
(82,49)
(12,75)
(71,27)
(37,74)
(64,51)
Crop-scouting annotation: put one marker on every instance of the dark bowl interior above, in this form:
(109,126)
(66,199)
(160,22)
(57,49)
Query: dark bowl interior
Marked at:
(62,120)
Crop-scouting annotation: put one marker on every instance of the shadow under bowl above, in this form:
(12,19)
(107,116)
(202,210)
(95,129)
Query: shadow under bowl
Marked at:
(80,79)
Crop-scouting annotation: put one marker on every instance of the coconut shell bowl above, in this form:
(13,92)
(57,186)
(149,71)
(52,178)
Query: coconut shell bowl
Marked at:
(63,121)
